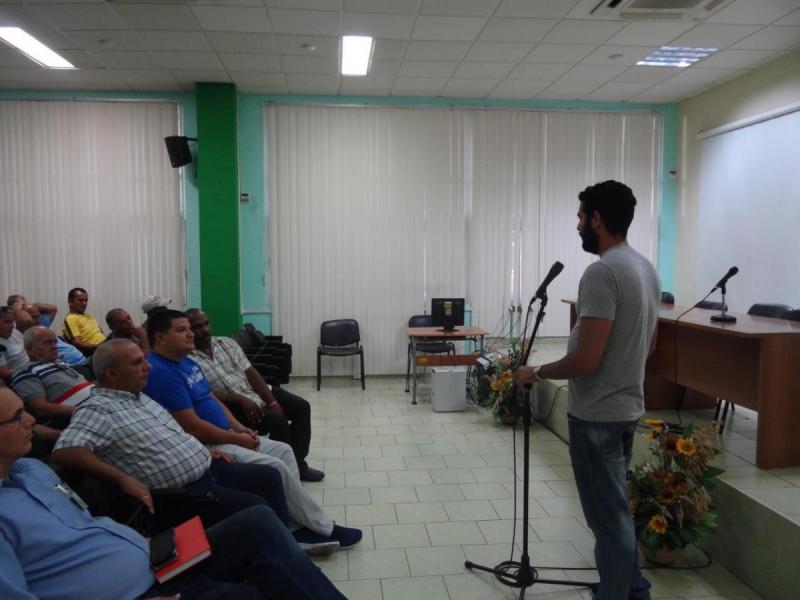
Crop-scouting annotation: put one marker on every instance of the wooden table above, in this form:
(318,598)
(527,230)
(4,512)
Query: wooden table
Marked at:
(418,334)
(754,362)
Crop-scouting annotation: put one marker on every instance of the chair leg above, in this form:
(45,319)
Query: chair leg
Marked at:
(719,407)
(724,416)
(363,381)
(319,364)
(408,369)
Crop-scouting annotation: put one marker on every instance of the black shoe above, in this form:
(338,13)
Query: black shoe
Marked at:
(312,475)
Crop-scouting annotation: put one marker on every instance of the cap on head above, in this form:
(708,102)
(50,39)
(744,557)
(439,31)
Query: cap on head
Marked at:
(152,302)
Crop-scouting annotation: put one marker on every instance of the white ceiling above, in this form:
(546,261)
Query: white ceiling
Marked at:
(548,49)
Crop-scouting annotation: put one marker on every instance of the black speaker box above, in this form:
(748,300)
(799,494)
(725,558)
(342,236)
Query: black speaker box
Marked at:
(178,149)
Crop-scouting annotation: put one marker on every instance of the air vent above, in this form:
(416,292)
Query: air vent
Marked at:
(657,10)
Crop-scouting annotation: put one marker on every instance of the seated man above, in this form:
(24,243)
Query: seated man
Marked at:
(39,313)
(178,384)
(81,328)
(282,415)
(51,547)
(122,327)
(11,340)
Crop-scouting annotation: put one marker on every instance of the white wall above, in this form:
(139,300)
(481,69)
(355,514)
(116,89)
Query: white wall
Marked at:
(771,86)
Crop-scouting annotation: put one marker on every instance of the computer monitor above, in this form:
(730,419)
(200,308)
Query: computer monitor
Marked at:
(447,313)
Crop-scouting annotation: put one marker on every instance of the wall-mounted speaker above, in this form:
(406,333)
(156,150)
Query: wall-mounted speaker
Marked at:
(178,150)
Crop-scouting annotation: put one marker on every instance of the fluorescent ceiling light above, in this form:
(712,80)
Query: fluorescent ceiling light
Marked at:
(676,56)
(356,52)
(33,48)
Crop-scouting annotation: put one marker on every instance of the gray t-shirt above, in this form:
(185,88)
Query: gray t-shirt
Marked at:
(622,286)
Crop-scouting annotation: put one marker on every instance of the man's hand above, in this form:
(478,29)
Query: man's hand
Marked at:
(253,411)
(526,377)
(220,455)
(138,491)
(275,407)
(245,440)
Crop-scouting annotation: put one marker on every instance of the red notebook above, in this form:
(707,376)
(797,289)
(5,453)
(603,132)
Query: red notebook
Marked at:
(191,546)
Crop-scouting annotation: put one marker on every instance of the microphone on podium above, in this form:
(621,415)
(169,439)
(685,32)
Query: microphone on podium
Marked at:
(721,283)
(554,272)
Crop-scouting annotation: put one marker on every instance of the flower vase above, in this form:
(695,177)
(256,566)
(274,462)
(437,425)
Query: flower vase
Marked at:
(663,557)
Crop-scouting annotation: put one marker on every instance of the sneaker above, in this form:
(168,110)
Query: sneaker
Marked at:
(346,536)
(312,475)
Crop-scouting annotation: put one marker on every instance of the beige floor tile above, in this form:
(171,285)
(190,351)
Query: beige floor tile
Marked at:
(415,477)
(362,452)
(483,491)
(415,588)
(378,563)
(372,479)
(344,465)
(361,589)
(433,493)
(404,450)
(435,560)
(421,512)
(393,494)
(505,509)
(561,528)
(371,514)
(391,463)
(452,476)
(454,534)
(400,536)
(438,449)
(424,462)
(346,496)
(334,565)
(567,506)
(463,461)
(470,510)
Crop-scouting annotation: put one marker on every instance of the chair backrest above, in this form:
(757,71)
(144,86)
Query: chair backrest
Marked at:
(339,332)
(776,311)
(667,298)
(792,315)
(421,321)
(709,304)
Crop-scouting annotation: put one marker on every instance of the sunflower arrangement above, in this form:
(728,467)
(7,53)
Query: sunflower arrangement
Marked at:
(502,392)
(669,494)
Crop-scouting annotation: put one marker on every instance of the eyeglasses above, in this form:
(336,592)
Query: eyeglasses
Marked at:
(16,419)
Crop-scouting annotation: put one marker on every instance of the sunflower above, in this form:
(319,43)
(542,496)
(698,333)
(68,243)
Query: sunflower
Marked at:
(655,422)
(671,442)
(686,447)
(658,524)
(662,475)
(667,495)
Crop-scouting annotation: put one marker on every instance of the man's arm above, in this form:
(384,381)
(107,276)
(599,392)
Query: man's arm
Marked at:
(261,388)
(208,433)
(144,344)
(250,408)
(84,460)
(44,409)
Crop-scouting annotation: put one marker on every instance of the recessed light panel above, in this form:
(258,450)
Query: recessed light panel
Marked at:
(676,56)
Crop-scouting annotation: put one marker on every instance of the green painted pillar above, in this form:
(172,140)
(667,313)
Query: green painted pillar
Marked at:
(217,180)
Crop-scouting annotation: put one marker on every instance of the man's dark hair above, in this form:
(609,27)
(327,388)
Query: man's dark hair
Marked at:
(613,201)
(112,317)
(13,298)
(74,291)
(161,322)
(190,312)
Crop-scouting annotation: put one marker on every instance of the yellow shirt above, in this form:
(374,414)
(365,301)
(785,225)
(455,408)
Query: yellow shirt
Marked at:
(83,328)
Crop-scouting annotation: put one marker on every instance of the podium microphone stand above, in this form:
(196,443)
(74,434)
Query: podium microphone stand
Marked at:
(520,574)
(723,317)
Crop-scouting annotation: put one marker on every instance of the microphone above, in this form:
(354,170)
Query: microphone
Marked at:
(554,272)
(721,283)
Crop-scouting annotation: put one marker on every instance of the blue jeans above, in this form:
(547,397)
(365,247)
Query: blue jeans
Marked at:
(601,454)
(253,556)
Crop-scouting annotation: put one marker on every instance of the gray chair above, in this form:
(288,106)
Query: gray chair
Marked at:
(340,337)
(710,305)
(776,311)
(426,347)
(792,315)
(667,298)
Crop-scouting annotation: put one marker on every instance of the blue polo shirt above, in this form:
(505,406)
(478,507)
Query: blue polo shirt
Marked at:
(52,549)
(181,385)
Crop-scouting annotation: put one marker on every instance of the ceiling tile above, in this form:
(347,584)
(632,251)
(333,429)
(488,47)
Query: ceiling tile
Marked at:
(503,29)
(477,88)
(651,75)
(518,88)
(248,19)
(427,68)
(189,60)
(81,60)
(754,12)
(201,76)
(714,36)
(222,2)
(12,58)
(127,60)
(555,53)
(623,55)
(393,27)
(541,71)
(264,80)
(259,43)
(579,31)
(161,87)
(28,74)
(90,77)
(155,16)
(400,7)
(389,49)
(496,51)
(313,84)
(790,19)
(144,76)
(649,97)
(250,62)
(418,50)
(461,8)
(624,90)
(645,34)
(407,85)
(593,72)
(351,86)
(571,88)
(309,65)
(447,28)
(771,38)
(305,22)
(84,17)
(117,41)
(537,9)
(734,59)
(293,44)
(680,90)
(381,76)
(695,76)
(304,4)
(484,70)
(182,41)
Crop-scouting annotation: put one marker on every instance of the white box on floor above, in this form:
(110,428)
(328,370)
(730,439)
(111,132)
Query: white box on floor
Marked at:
(448,388)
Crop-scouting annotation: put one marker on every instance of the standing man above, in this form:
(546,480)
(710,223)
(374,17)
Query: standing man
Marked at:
(282,415)
(617,311)
(81,328)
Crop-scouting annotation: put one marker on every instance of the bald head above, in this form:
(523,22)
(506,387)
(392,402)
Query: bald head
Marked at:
(40,344)
(119,364)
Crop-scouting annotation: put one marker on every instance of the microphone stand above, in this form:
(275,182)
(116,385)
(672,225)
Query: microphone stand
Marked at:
(520,574)
(723,317)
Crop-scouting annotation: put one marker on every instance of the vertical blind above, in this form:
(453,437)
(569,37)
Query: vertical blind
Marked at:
(374,211)
(88,199)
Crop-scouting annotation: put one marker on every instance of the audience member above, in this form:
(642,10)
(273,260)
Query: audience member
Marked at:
(32,314)
(52,548)
(122,327)
(282,415)
(178,384)
(11,339)
(81,328)
(153,304)
(24,311)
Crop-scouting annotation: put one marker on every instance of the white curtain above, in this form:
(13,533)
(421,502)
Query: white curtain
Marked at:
(88,199)
(374,211)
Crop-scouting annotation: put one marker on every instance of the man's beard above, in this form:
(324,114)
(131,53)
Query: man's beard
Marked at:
(591,243)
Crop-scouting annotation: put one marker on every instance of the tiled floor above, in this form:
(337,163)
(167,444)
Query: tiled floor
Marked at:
(431,490)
